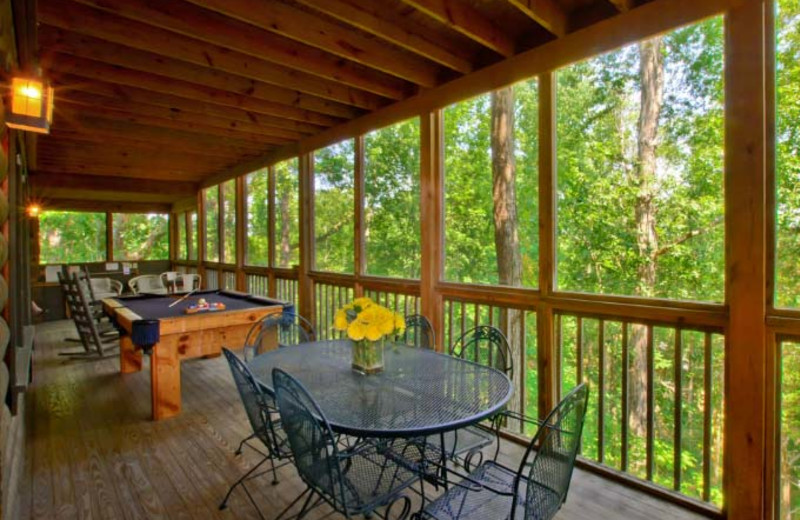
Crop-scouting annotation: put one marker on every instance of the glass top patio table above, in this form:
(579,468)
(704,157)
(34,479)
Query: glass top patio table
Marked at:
(420,392)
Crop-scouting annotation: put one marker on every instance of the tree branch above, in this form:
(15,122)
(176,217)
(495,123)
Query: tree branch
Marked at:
(691,234)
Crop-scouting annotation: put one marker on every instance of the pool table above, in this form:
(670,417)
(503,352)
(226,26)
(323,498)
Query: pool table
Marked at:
(148,324)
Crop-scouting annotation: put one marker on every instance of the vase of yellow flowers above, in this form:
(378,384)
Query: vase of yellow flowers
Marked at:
(368,324)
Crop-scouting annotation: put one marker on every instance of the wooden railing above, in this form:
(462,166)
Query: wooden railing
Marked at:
(519,327)
(655,407)
(787,449)
(229,280)
(212,278)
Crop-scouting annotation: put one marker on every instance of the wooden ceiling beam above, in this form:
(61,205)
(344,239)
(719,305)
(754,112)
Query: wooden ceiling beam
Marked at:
(71,83)
(141,132)
(60,41)
(388,30)
(546,13)
(463,18)
(623,5)
(44,180)
(66,153)
(86,20)
(304,27)
(104,206)
(123,171)
(76,138)
(88,100)
(215,28)
(74,111)
(45,194)
(64,64)
(98,165)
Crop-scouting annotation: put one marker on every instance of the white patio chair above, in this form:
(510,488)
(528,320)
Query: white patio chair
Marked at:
(147,284)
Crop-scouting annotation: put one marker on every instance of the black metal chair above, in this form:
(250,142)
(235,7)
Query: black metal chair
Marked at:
(261,413)
(539,486)
(354,481)
(291,329)
(486,345)
(419,332)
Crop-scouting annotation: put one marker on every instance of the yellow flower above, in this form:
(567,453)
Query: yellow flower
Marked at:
(363,303)
(340,320)
(387,323)
(373,332)
(355,331)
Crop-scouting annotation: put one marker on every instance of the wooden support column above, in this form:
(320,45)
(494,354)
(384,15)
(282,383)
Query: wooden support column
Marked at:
(773,351)
(220,237)
(201,237)
(241,233)
(272,288)
(432,220)
(304,282)
(548,350)
(173,239)
(359,251)
(746,259)
(109,237)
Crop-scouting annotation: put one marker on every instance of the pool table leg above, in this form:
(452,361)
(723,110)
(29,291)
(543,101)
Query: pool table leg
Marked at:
(130,359)
(165,381)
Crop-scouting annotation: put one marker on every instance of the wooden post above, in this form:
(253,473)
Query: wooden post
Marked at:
(746,259)
(359,251)
(432,220)
(241,230)
(305,285)
(272,288)
(173,239)
(201,236)
(547,349)
(109,237)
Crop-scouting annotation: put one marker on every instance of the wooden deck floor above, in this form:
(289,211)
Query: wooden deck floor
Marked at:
(94,453)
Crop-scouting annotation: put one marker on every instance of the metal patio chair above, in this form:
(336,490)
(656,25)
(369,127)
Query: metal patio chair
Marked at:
(485,345)
(291,329)
(261,413)
(419,332)
(354,481)
(538,487)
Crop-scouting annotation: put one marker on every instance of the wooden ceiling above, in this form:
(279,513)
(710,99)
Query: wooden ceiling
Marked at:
(154,96)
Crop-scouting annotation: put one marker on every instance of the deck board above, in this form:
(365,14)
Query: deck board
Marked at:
(94,453)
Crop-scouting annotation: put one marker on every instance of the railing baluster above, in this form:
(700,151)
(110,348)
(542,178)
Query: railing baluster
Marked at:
(449,325)
(579,350)
(625,397)
(601,373)
(707,359)
(676,441)
(650,401)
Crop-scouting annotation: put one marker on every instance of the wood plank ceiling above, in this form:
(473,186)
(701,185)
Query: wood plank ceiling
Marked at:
(153,96)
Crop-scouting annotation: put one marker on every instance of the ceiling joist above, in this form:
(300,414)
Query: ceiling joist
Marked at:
(73,17)
(218,29)
(465,19)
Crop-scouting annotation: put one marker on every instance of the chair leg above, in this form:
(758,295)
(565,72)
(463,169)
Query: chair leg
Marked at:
(294,502)
(274,473)
(224,503)
(241,444)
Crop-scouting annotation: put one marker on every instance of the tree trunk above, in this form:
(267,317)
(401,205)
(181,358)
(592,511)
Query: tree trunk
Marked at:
(651,74)
(506,225)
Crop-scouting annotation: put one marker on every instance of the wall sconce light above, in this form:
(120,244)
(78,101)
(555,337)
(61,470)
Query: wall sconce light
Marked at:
(33,210)
(31,105)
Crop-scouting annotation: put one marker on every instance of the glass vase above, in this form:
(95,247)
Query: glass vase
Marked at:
(368,357)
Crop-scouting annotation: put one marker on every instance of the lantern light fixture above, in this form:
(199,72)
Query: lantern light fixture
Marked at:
(33,210)
(31,105)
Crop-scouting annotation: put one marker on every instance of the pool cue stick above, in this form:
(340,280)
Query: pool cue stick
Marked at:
(176,302)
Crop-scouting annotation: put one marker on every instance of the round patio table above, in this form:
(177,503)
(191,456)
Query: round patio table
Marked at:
(420,392)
